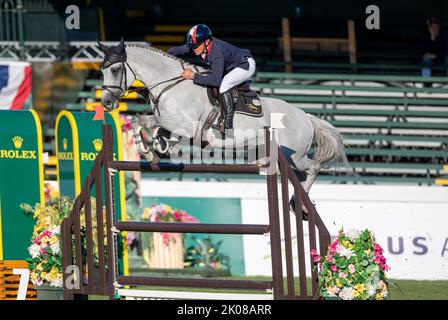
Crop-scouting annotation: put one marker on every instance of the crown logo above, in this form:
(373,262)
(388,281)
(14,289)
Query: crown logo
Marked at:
(17,142)
(98,144)
(65,143)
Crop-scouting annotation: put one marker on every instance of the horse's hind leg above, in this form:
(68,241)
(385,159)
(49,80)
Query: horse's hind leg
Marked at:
(311,175)
(311,169)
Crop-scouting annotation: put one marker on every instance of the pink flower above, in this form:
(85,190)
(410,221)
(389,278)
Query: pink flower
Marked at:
(315,256)
(330,258)
(213,264)
(351,268)
(333,246)
(342,275)
(177,216)
(334,268)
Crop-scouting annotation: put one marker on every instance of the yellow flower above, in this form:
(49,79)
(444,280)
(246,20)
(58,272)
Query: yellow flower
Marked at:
(54,240)
(356,294)
(347,244)
(330,290)
(360,287)
(367,252)
(43,274)
(39,267)
(379,296)
(338,283)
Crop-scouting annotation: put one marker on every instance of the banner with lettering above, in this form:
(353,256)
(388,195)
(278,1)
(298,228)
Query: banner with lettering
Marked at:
(21,180)
(78,141)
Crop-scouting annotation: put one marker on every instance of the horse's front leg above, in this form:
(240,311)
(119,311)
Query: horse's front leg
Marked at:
(145,149)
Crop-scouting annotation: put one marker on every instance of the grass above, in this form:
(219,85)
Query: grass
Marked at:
(411,289)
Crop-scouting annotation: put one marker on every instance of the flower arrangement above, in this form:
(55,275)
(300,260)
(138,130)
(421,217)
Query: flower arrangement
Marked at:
(205,254)
(45,262)
(165,213)
(353,269)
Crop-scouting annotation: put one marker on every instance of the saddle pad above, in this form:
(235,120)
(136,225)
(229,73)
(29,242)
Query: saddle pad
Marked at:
(249,104)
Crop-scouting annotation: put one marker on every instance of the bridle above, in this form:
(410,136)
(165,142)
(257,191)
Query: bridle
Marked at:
(144,90)
(124,79)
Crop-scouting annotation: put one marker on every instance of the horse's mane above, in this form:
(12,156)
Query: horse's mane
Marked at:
(161,52)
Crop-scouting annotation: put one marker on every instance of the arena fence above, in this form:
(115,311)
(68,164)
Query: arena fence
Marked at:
(90,245)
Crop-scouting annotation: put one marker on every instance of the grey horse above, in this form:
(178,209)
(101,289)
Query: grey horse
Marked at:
(184,107)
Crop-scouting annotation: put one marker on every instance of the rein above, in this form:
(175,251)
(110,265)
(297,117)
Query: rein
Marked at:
(153,99)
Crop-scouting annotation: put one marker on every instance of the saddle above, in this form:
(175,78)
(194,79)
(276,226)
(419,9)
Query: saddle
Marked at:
(247,101)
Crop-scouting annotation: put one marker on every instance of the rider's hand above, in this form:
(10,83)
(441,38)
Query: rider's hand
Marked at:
(188,74)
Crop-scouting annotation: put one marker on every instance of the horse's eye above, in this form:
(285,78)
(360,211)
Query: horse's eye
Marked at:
(106,64)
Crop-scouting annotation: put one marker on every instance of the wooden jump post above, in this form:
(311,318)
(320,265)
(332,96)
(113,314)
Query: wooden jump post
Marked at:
(101,277)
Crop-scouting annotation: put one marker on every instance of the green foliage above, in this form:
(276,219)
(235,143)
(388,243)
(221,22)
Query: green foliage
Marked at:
(205,254)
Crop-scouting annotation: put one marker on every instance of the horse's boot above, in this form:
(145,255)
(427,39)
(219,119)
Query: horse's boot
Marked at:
(229,108)
(159,142)
(292,208)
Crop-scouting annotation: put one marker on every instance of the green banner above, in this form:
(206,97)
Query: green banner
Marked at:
(78,141)
(21,180)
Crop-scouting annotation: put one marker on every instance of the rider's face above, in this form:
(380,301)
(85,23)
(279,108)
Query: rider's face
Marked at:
(199,49)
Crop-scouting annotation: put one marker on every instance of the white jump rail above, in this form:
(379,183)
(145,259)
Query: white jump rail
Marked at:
(129,294)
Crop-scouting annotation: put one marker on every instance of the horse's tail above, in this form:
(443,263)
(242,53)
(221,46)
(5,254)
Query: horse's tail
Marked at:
(329,144)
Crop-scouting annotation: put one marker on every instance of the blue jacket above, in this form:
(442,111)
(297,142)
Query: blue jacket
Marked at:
(223,58)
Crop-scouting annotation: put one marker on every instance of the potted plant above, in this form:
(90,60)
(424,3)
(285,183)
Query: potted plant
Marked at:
(165,250)
(45,262)
(354,268)
(205,254)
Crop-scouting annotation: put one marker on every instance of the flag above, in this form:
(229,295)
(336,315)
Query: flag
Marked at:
(99,112)
(15,84)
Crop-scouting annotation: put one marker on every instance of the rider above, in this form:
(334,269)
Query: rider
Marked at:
(230,65)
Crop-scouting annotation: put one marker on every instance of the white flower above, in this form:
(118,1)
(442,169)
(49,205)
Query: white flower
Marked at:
(56,230)
(55,248)
(353,234)
(34,250)
(57,282)
(343,251)
(371,290)
(346,294)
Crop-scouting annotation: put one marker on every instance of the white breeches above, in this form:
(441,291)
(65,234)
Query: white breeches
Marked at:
(237,76)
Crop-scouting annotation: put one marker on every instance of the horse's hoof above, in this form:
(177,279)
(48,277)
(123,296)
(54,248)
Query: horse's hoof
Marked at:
(292,208)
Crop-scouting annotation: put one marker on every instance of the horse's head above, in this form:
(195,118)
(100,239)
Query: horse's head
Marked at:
(117,75)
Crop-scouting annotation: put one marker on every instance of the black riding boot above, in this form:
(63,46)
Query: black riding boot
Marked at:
(229,108)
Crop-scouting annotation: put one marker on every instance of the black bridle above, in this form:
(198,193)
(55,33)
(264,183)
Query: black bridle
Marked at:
(123,78)
(146,89)
(112,59)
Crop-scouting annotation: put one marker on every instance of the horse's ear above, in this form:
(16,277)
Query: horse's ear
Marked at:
(121,45)
(102,46)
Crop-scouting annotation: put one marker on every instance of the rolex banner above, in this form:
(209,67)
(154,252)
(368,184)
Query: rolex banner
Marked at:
(21,180)
(78,141)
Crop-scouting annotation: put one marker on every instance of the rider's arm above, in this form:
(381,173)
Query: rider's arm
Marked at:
(179,51)
(214,78)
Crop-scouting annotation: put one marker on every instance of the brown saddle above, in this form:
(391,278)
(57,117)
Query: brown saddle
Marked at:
(247,101)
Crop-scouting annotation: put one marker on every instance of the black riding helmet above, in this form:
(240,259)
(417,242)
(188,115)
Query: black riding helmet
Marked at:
(197,35)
